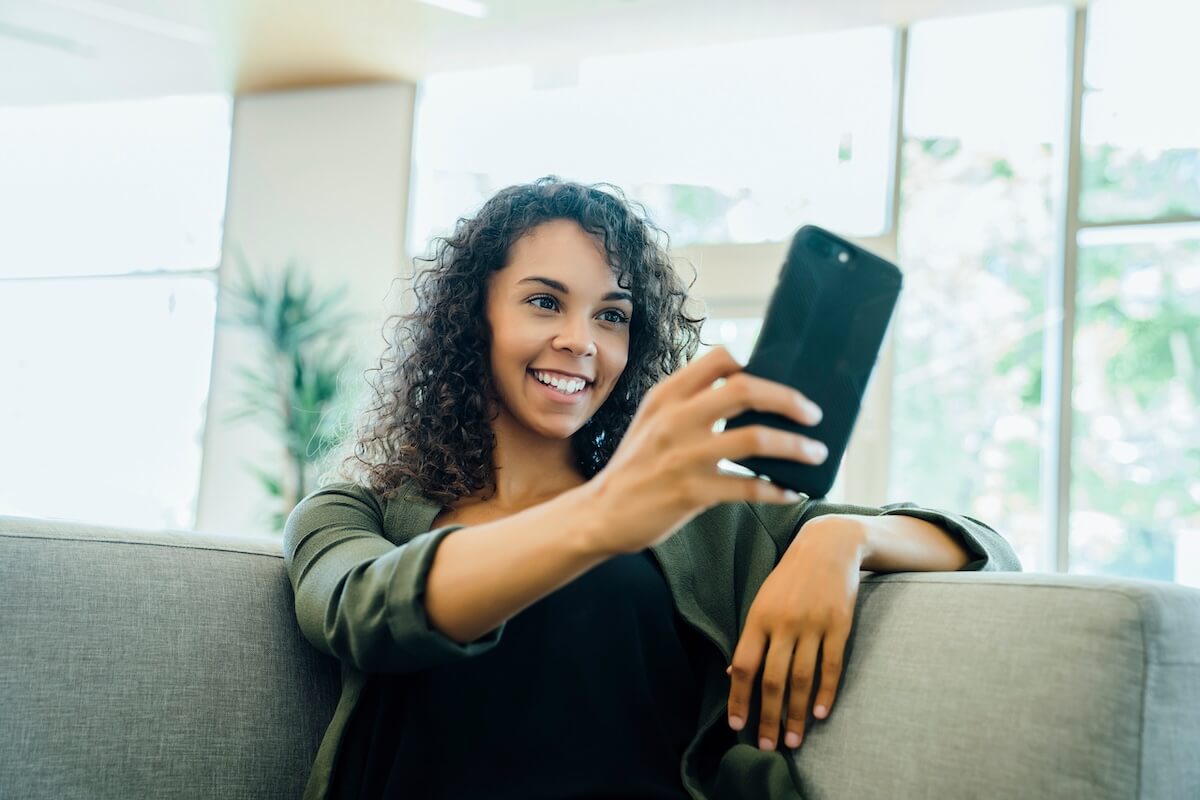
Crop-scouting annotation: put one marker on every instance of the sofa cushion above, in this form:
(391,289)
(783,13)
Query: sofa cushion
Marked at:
(156,664)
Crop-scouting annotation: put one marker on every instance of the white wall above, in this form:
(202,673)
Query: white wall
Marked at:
(321,176)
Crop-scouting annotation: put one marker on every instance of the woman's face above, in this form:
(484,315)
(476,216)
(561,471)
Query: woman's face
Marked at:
(556,311)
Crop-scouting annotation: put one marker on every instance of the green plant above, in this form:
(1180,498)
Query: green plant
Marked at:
(301,336)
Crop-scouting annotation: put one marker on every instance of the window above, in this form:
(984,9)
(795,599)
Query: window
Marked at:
(1135,484)
(1135,449)
(1141,124)
(982,149)
(801,134)
(108,265)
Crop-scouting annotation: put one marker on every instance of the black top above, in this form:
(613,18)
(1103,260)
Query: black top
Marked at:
(593,691)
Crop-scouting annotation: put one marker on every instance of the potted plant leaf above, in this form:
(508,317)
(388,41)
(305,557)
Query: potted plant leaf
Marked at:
(302,337)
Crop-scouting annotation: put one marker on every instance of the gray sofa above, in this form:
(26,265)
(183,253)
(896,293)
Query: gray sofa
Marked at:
(169,664)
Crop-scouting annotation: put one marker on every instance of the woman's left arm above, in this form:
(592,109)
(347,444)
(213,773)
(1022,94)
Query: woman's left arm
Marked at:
(807,603)
(988,550)
(902,544)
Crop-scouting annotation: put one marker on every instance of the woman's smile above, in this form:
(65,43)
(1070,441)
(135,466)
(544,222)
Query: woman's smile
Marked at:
(558,395)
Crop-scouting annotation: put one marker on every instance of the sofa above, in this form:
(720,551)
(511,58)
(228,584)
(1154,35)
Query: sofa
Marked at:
(168,664)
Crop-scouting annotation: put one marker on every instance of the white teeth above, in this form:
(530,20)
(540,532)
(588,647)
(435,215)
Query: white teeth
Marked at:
(565,386)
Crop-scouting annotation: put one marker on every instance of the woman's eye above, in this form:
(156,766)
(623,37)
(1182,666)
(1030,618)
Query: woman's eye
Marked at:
(617,318)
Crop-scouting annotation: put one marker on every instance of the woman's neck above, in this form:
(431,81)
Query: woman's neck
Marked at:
(529,469)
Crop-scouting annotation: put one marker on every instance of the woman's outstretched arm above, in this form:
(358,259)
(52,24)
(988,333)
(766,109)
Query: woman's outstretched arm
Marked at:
(483,575)
(365,600)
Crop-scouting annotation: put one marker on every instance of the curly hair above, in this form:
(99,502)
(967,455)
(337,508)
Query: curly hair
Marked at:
(427,419)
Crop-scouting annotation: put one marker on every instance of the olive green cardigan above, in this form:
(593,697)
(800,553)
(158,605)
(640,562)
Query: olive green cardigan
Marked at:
(358,566)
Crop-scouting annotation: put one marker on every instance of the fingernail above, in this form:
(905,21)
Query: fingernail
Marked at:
(808,407)
(766,744)
(736,723)
(792,739)
(790,495)
(816,450)
(820,712)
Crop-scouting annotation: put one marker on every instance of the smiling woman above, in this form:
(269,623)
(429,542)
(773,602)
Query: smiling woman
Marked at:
(537,582)
(549,276)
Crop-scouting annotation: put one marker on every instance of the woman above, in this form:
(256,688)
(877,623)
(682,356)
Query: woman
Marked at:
(541,584)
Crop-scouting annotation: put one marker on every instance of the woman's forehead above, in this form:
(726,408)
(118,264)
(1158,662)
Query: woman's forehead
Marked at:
(565,256)
(558,239)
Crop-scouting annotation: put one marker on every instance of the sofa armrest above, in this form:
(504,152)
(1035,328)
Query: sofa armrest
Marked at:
(997,685)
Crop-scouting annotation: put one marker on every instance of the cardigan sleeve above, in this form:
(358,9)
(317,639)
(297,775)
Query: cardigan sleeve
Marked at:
(990,551)
(359,597)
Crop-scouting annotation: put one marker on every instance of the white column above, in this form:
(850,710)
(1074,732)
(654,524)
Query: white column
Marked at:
(320,176)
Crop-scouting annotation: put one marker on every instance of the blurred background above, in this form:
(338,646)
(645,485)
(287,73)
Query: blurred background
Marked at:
(208,209)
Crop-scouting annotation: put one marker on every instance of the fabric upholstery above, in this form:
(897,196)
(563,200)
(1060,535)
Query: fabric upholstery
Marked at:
(170,664)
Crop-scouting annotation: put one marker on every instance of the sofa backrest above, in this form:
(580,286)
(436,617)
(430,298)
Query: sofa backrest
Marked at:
(155,664)
(163,664)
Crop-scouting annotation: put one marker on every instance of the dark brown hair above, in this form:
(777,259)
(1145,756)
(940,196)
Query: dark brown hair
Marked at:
(427,421)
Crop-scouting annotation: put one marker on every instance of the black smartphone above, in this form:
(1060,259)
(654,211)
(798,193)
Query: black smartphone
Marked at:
(822,334)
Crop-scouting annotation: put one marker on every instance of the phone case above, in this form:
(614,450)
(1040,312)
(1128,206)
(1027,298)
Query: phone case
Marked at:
(822,334)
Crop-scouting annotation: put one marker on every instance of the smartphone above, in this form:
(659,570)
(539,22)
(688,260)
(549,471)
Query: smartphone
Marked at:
(822,333)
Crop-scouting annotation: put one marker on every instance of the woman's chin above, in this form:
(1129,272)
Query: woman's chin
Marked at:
(563,433)
(563,429)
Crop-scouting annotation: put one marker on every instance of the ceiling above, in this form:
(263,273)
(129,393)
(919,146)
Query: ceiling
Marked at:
(68,51)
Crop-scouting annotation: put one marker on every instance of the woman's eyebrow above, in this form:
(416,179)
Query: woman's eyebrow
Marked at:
(553,284)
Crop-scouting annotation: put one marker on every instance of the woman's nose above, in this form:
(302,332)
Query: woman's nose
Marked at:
(576,336)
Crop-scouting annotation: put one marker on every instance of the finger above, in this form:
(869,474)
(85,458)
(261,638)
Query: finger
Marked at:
(746,660)
(833,651)
(729,488)
(802,679)
(699,374)
(774,684)
(763,440)
(745,392)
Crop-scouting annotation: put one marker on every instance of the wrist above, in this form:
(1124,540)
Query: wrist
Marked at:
(586,504)
(853,531)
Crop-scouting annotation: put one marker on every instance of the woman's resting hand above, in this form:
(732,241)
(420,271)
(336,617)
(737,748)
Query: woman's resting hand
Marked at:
(799,622)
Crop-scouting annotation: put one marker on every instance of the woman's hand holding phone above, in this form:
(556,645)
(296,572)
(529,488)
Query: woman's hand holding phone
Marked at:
(665,471)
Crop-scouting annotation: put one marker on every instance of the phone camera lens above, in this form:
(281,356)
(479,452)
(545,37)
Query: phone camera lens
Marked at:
(843,257)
